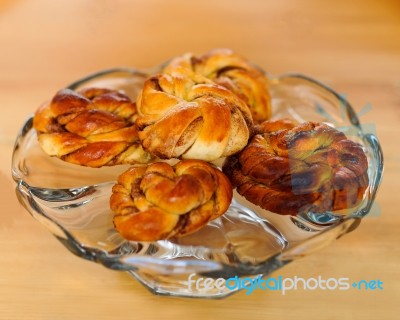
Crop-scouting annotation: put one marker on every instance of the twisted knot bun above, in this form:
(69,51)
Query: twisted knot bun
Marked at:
(290,169)
(159,201)
(185,115)
(93,127)
(233,72)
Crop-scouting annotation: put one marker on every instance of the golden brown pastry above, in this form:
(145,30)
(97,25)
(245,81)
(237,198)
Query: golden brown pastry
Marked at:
(159,201)
(185,115)
(234,73)
(93,127)
(290,169)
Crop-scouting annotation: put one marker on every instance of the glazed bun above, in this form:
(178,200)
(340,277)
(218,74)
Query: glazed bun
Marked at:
(185,115)
(159,201)
(290,168)
(93,127)
(233,72)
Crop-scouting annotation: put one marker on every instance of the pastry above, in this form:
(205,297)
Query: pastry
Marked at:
(159,201)
(290,168)
(185,115)
(93,127)
(234,73)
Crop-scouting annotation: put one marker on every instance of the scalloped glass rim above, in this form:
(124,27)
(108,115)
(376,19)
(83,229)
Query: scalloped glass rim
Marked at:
(73,208)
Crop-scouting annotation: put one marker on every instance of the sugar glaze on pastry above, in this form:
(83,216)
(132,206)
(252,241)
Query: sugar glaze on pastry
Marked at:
(233,72)
(159,201)
(93,127)
(290,168)
(185,115)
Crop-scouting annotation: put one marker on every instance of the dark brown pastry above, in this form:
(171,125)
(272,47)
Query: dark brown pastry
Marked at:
(290,168)
(93,127)
(160,201)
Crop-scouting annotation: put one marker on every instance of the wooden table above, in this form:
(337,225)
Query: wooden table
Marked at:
(353,46)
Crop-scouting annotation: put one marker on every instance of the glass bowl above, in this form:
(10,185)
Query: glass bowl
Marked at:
(72,202)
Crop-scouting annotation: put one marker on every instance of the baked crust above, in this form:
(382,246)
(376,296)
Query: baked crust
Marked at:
(159,201)
(233,72)
(93,127)
(290,168)
(185,115)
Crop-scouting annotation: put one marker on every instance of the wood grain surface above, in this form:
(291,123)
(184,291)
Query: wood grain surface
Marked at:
(354,46)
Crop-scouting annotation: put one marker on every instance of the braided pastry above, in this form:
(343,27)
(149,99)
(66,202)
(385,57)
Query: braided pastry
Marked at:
(234,73)
(290,169)
(93,127)
(159,201)
(185,115)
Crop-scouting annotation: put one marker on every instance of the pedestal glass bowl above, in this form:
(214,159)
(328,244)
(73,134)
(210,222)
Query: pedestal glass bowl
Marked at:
(72,202)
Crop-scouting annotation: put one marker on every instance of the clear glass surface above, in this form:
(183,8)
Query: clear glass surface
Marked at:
(72,202)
